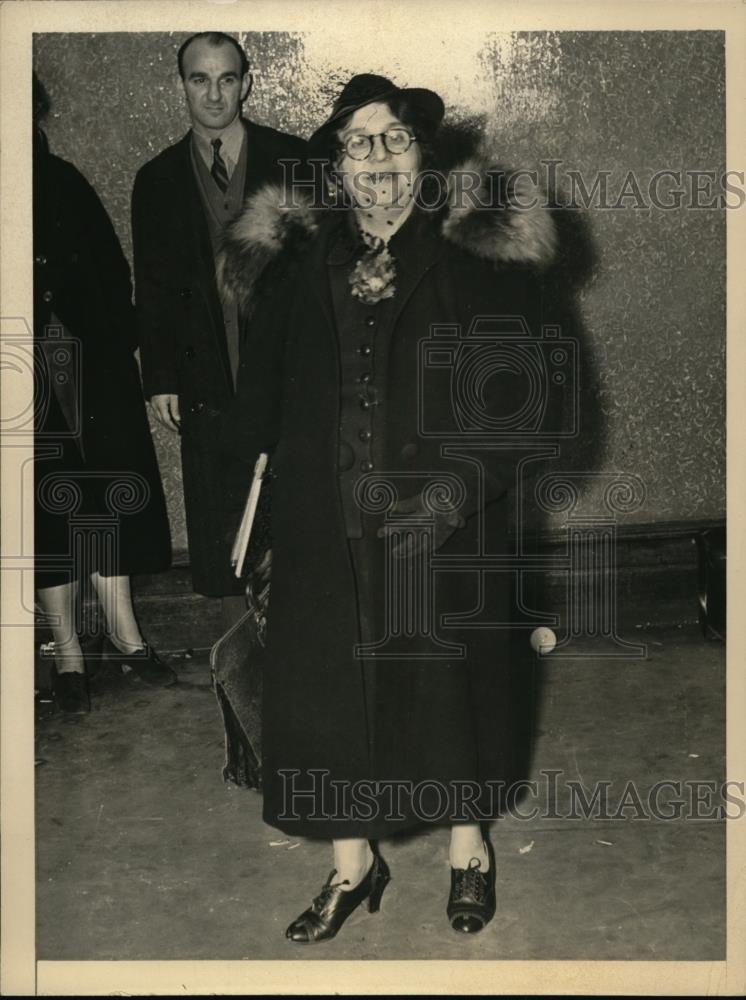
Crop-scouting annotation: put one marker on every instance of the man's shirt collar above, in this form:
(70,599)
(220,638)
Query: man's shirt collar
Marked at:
(231,138)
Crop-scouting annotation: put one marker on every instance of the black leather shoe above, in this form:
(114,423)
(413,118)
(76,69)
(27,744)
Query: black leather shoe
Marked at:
(472,904)
(333,905)
(70,690)
(143,662)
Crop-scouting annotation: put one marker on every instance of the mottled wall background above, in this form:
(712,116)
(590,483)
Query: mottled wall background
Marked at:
(651,294)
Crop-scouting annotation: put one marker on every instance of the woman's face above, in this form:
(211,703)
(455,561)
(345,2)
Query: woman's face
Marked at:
(384,179)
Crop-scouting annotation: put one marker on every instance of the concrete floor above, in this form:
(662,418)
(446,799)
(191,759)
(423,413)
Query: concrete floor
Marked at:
(144,853)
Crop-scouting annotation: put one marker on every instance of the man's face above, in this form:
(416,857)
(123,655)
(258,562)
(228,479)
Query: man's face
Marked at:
(213,84)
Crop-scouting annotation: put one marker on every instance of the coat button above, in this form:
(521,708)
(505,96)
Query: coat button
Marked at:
(364,378)
(364,350)
(364,435)
(364,404)
(197,407)
(189,353)
(366,466)
(47,296)
(41,259)
(370,320)
(186,293)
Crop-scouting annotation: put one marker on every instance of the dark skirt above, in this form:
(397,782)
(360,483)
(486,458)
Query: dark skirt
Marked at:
(446,733)
(97,508)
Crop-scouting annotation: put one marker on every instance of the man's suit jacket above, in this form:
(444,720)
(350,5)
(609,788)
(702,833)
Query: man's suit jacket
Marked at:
(181,332)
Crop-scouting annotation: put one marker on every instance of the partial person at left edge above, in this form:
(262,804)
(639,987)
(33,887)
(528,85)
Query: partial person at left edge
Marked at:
(182,201)
(99,508)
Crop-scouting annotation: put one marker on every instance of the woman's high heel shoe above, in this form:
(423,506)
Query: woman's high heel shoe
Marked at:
(333,905)
(472,902)
(144,663)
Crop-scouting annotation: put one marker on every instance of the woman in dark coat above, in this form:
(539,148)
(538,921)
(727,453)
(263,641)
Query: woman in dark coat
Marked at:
(361,372)
(99,505)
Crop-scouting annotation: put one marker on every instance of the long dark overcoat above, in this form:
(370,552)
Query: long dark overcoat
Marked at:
(183,345)
(436,705)
(82,291)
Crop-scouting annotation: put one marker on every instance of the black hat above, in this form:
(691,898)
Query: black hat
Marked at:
(365,88)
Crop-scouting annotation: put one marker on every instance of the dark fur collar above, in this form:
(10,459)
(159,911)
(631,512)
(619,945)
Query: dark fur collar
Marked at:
(506,233)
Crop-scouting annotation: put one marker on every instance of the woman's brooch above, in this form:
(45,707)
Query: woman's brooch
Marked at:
(373,276)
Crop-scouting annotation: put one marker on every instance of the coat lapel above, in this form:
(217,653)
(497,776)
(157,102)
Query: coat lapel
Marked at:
(188,195)
(261,162)
(316,274)
(416,248)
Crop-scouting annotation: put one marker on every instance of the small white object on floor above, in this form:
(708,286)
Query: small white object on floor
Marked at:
(606,843)
(527,848)
(293,846)
(543,640)
(278,843)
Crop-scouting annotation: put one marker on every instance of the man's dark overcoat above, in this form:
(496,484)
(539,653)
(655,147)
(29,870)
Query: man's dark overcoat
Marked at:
(183,345)
(428,715)
(82,290)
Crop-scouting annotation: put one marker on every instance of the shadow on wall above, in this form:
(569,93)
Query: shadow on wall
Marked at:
(573,271)
(575,266)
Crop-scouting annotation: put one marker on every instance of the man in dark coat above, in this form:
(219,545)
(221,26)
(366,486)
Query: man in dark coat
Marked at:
(182,200)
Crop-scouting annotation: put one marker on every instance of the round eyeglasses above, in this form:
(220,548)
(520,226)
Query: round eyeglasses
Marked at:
(360,145)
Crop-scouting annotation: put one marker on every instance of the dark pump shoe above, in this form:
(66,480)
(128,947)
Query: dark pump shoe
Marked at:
(471,904)
(70,690)
(143,662)
(333,905)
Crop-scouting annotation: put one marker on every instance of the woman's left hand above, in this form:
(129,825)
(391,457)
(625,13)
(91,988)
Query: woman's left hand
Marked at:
(443,524)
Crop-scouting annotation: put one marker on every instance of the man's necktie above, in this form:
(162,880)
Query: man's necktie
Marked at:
(218,169)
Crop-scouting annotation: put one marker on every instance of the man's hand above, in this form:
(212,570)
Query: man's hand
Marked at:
(166,408)
(444,524)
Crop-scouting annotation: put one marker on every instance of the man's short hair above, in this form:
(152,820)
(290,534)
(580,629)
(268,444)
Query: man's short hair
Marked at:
(213,38)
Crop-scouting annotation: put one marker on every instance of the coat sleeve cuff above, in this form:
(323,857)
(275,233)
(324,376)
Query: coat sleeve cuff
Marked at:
(160,383)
